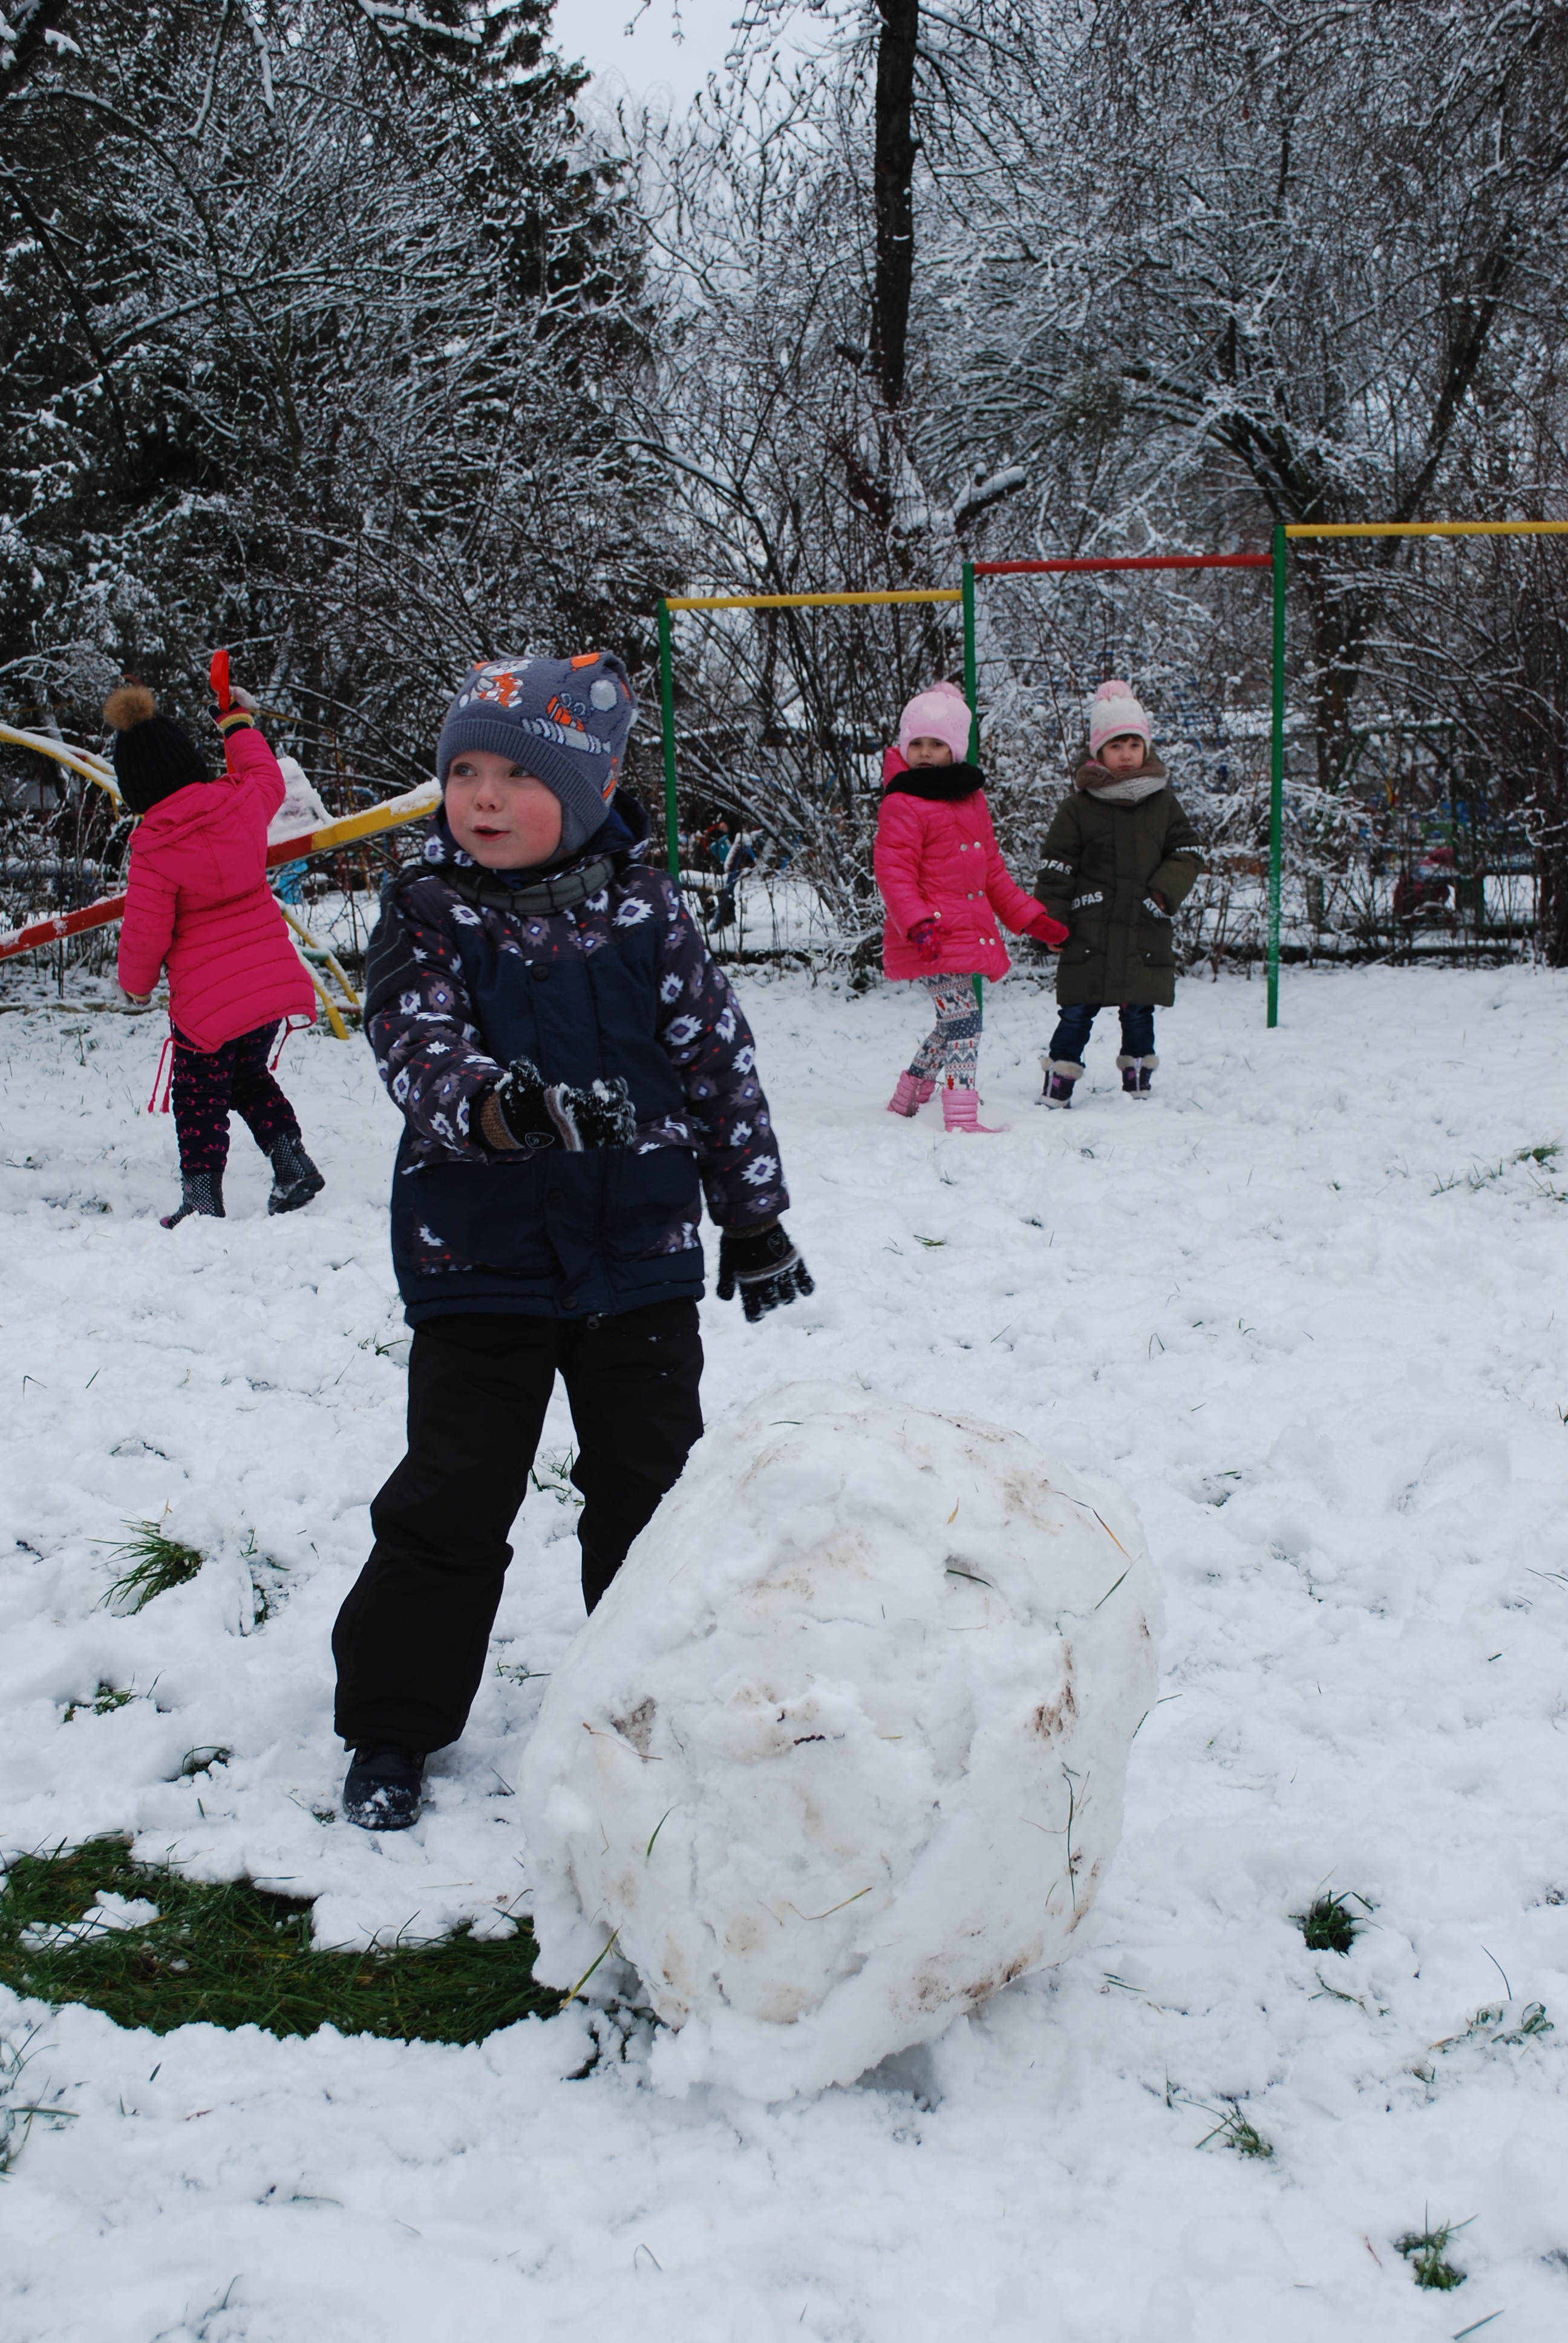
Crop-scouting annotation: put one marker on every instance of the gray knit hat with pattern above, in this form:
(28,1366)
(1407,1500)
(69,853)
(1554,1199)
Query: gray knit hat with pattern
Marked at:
(565,720)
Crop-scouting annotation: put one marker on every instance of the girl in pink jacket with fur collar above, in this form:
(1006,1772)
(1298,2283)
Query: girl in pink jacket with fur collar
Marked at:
(198,901)
(948,894)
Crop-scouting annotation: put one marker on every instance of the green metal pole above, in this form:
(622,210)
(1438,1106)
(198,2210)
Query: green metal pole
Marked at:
(972,693)
(1277,779)
(667,705)
(971,672)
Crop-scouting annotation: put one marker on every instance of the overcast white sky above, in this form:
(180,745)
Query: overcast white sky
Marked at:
(650,61)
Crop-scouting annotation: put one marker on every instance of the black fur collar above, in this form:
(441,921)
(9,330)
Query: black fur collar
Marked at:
(944,784)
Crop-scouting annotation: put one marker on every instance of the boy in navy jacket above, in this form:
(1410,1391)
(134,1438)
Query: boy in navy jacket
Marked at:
(574,1074)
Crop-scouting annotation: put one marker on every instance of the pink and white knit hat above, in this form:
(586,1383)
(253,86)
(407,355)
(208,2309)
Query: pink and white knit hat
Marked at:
(1115,712)
(940,714)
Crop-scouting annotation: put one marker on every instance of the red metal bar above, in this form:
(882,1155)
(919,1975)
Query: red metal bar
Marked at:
(326,840)
(102,914)
(110,908)
(1127,561)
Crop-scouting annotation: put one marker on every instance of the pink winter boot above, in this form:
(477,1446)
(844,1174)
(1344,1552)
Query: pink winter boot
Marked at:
(909,1093)
(961,1112)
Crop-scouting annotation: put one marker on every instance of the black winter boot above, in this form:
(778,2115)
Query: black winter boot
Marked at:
(1137,1075)
(200,1191)
(1060,1073)
(382,1788)
(294,1178)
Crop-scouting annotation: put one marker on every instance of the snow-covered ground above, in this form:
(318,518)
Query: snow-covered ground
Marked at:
(1301,1308)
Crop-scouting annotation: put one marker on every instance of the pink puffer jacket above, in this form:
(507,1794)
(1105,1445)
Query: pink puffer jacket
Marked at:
(943,860)
(198,898)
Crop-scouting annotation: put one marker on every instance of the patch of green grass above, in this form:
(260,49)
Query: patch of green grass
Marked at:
(157,1562)
(1491,2027)
(1424,2250)
(266,1592)
(555,1478)
(237,1955)
(1237,2131)
(1547,1154)
(15,2115)
(1328,1925)
(104,1702)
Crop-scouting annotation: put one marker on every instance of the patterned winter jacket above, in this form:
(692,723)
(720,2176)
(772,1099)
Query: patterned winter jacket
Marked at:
(598,971)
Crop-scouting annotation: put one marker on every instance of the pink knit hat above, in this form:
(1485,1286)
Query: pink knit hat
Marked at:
(1115,712)
(940,714)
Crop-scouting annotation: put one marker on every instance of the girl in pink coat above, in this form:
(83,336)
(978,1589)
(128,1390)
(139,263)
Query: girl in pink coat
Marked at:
(947,893)
(197,899)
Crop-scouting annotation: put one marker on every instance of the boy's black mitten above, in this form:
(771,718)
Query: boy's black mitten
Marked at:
(556,1114)
(765,1265)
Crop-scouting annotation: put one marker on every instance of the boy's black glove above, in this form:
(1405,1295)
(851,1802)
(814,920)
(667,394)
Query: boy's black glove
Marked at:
(539,1114)
(765,1267)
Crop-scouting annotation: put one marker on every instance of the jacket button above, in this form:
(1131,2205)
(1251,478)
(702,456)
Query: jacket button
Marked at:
(540,973)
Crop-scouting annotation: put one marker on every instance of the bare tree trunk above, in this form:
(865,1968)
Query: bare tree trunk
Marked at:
(1551,892)
(894,175)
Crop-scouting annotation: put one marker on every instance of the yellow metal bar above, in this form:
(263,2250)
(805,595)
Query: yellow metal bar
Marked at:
(333,1019)
(1427,529)
(328,958)
(81,760)
(809,601)
(338,977)
(412,807)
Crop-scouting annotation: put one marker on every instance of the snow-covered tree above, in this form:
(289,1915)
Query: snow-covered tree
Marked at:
(316,321)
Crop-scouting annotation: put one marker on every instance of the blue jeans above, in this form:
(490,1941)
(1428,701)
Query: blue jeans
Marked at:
(1071,1038)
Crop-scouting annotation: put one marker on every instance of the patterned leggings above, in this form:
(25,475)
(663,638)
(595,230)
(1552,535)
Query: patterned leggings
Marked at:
(208,1083)
(950,1054)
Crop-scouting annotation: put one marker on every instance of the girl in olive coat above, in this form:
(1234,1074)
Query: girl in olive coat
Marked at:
(1118,859)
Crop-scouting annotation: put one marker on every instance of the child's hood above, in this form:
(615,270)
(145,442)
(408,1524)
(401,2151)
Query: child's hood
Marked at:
(200,806)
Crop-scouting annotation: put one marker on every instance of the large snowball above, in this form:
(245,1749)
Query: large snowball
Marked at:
(843,1750)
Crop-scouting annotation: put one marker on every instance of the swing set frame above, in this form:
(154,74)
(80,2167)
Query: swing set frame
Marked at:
(1276,561)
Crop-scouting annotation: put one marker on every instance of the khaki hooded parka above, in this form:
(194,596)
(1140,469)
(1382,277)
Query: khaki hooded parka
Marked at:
(1100,867)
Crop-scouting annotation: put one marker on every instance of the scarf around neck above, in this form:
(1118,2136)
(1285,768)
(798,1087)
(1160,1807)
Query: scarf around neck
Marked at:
(938,784)
(1130,790)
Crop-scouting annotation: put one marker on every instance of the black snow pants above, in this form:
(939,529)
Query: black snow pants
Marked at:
(208,1083)
(411,1638)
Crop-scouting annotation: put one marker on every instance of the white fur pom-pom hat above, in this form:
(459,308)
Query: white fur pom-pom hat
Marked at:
(1115,712)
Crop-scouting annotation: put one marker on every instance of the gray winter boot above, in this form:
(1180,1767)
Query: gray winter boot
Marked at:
(1060,1073)
(294,1178)
(1137,1075)
(199,1192)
